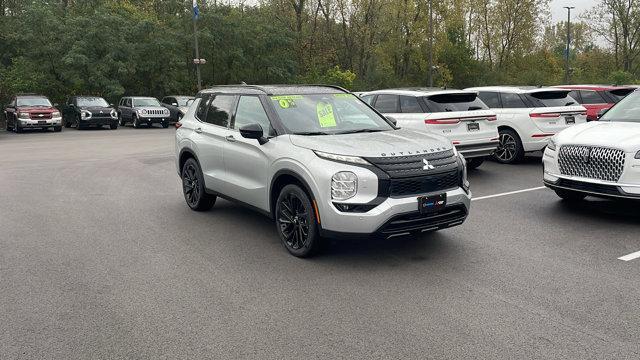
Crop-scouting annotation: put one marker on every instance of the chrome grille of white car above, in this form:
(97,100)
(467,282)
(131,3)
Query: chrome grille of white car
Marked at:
(591,162)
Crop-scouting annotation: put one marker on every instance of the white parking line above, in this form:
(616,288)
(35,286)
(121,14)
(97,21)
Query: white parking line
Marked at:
(508,193)
(630,257)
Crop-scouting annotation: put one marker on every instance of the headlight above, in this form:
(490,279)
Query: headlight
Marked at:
(638,155)
(551,145)
(344,185)
(85,115)
(465,181)
(142,111)
(55,114)
(23,115)
(166,111)
(342,158)
(114,114)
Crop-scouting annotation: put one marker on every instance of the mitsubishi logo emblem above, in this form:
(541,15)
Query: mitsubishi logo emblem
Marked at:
(427,166)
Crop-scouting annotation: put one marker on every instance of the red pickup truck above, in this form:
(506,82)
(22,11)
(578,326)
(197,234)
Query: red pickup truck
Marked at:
(32,112)
(596,98)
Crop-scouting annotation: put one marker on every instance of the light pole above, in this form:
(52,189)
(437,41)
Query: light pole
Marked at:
(430,43)
(566,69)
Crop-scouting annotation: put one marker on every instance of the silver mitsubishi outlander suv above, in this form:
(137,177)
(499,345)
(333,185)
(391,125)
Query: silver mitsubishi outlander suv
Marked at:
(320,162)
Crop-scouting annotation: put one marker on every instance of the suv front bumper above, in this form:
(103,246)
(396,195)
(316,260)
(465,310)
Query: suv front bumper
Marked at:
(39,124)
(153,120)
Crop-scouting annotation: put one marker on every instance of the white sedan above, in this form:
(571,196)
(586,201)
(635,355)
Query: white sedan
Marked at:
(599,158)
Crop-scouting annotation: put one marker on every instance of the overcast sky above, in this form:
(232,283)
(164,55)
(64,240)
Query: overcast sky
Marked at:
(559,13)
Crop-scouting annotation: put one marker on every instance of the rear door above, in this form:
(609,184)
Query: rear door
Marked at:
(246,161)
(214,116)
(462,117)
(593,101)
(555,111)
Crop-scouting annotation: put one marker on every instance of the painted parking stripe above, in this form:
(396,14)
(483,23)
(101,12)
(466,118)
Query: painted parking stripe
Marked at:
(630,257)
(509,193)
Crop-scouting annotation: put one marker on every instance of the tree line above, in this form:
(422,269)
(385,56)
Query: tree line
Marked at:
(145,47)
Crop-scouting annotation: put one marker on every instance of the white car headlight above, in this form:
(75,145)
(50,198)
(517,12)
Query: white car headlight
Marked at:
(342,158)
(344,185)
(24,115)
(142,111)
(85,115)
(114,114)
(166,111)
(55,114)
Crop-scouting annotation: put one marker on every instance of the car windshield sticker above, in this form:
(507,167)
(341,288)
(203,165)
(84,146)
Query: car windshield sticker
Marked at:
(287,101)
(325,115)
(342,96)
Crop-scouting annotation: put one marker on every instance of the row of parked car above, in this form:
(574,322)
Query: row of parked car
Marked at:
(503,122)
(30,111)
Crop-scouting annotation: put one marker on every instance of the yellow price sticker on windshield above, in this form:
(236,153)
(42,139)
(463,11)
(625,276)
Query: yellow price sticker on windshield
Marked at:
(286,101)
(325,115)
(342,96)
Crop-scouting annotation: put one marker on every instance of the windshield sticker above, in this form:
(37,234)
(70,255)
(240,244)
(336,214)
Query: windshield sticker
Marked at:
(325,115)
(342,95)
(287,101)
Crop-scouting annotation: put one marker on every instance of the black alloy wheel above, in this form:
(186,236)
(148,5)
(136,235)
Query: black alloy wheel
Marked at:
(510,150)
(296,222)
(193,187)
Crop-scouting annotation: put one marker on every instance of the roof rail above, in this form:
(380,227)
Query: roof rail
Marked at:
(256,87)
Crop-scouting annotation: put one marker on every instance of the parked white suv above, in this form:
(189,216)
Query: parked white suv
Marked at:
(458,115)
(320,161)
(528,117)
(600,158)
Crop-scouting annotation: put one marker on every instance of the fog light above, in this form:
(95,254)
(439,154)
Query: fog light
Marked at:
(344,185)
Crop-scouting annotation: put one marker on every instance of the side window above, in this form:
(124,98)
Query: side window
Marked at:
(492,99)
(575,95)
(128,102)
(410,105)
(121,102)
(387,103)
(251,111)
(166,100)
(219,112)
(591,97)
(512,101)
(201,111)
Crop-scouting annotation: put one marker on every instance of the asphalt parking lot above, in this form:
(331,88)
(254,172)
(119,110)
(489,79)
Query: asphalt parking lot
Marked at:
(101,258)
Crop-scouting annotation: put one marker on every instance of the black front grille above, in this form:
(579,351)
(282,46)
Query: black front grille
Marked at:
(425,184)
(589,187)
(415,221)
(416,165)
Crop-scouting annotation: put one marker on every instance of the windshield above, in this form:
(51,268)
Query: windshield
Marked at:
(619,94)
(551,98)
(182,101)
(34,101)
(146,102)
(327,114)
(627,110)
(455,102)
(92,101)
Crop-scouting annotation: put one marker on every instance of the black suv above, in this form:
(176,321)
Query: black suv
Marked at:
(86,111)
(177,105)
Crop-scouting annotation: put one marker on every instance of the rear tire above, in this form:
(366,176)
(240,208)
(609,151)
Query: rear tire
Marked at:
(510,150)
(475,163)
(296,222)
(570,196)
(193,187)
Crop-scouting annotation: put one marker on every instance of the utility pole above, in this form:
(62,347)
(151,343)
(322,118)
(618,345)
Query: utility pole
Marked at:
(567,70)
(197,61)
(430,43)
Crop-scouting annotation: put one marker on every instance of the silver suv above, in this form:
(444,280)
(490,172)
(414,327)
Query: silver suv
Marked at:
(139,111)
(320,162)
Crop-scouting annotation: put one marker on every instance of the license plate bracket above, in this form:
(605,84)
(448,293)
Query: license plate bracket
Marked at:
(570,120)
(473,126)
(431,204)
(42,122)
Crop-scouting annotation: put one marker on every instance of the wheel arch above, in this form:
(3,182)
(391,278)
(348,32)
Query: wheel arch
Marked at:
(283,178)
(185,154)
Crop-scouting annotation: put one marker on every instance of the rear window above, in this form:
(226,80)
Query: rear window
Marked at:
(551,98)
(619,94)
(454,102)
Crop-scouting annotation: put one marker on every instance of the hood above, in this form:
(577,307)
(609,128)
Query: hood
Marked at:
(619,135)
(150,108)
(385,143)
(37,108)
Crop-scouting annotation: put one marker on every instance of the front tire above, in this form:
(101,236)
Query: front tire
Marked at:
(510,149)
(113,126)
(57,128)
(135,122)
(296,222)
(474,163)
(570,196)
(120,120)
(193,187)
(165,125)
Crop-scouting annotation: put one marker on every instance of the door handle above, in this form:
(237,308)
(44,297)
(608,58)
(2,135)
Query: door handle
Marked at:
(230,138)
(198,130)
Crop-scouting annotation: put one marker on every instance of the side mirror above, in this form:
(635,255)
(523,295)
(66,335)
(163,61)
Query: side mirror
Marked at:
(392,120)
(254,131)
(602,112)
